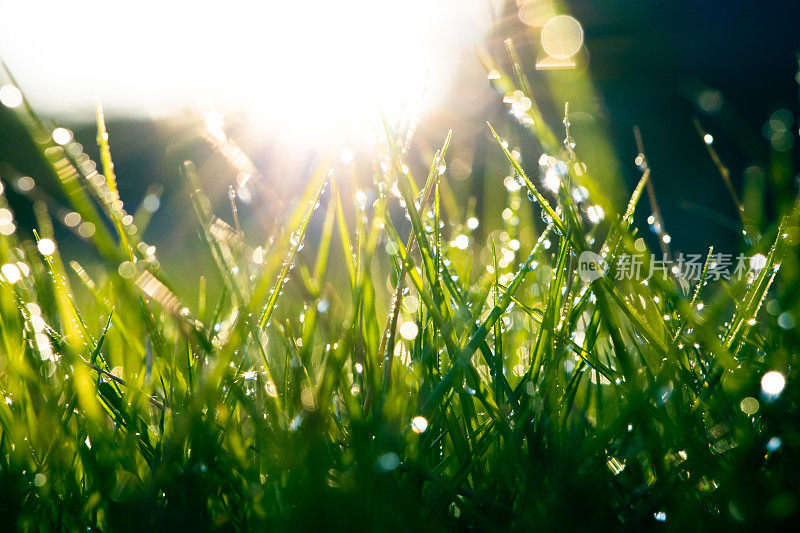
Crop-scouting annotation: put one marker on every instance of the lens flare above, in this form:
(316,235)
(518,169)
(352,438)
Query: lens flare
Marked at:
(298,70)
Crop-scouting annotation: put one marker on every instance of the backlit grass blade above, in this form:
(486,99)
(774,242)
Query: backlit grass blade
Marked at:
(559,224)
(478,337)
(296,238)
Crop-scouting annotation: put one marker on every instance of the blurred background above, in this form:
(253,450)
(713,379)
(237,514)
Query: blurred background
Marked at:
(298,84)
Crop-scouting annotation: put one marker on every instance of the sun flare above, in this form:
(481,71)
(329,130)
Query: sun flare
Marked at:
(299,68)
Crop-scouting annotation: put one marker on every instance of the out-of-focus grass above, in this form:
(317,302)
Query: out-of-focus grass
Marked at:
(403,374)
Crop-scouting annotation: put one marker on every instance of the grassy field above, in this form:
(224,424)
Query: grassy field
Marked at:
(404,373)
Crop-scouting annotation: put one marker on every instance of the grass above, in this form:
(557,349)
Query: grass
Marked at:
(403,374)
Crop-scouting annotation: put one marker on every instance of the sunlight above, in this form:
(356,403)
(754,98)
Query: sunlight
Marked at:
(304,69)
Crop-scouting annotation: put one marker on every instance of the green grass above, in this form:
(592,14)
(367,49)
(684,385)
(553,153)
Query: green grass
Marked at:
(388,378)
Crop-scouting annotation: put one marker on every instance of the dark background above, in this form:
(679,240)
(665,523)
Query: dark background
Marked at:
(652,61)
(649,60)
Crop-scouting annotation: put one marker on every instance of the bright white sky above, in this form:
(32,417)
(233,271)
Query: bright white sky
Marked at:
(313,60)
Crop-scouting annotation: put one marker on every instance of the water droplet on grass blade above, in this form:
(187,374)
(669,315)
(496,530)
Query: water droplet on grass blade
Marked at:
(419,424)
(595,214)
(46,246)
(772,384)
(24,184)
(10,96)
(773,444)
(749,405)
(409,330)
(551,179)
(11,273)
(62,136)
(785,320)
(126,269)
(388,462)
(580,194)
(461,242)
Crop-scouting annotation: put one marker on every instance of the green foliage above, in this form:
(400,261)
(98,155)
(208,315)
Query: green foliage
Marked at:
(483,387)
